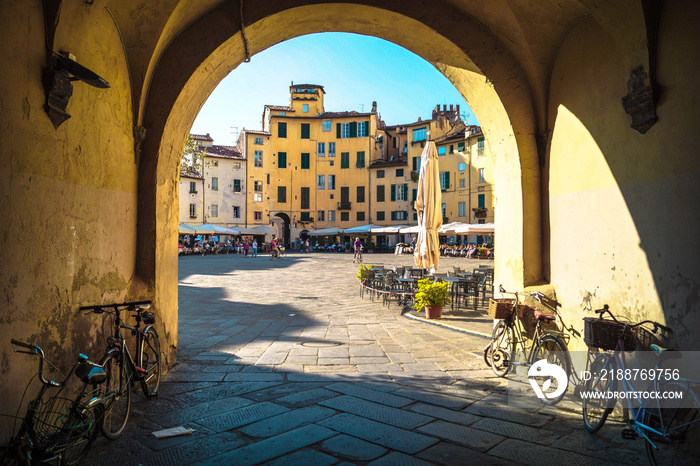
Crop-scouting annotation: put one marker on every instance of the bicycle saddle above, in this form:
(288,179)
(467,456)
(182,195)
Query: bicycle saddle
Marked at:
(539,315)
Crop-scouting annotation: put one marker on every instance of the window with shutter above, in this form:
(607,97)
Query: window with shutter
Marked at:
(345,160)
(305,131)
(305,164)
(281,129)
(305,198)
(281,160)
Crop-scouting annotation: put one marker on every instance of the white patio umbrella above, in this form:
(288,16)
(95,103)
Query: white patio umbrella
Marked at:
(326,232)
(429,208)
(185,229)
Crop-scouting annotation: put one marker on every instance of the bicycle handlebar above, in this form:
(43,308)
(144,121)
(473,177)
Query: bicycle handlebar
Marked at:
(24,344)
(33,349)
(100,308)
(657,326)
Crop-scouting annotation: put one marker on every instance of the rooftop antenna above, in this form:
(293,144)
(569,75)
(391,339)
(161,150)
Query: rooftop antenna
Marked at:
(362,108)
(235,132)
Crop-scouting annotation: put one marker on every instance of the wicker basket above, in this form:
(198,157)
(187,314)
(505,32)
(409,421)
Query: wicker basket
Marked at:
(57,426)
(501,308)
(604,334)
(644,339)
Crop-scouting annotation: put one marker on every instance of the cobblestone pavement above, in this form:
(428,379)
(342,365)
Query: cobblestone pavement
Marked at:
(284,363)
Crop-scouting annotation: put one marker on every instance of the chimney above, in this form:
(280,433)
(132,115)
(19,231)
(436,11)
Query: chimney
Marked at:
(374,106)
(451,108)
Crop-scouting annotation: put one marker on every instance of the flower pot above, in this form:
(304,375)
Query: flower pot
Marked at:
(433,312)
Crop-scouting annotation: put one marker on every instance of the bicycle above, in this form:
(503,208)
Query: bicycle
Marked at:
(663,423)
(358,255)
(278,253)
(58,427)
(121,368)
(507,339)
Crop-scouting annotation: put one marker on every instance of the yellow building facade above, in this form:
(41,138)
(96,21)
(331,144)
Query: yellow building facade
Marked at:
(308,168)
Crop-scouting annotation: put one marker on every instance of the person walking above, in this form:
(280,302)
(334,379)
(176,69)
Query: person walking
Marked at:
(246,247)
(306,246)
(255,248)
(358,250)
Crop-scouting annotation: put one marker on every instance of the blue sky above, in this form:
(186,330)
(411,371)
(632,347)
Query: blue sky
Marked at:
(354,70)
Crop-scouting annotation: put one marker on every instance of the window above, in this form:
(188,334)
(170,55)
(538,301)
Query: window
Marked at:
(258,158)
(215,163)
(480,146)
(331,181)
(420,134)
(193,210)
(416,164)
(460,147)
(236,165)
(282,194)
(305,198)
(399,192)
(321,215)
(305,108)
(257,197)
(444,210)
(380,174)
(343,130)
(444,181)
(331,215)
(331,149)
(304,216)
(345,160)
(399,172)
(258,186)
(305,161)
(281,129)
(482,200)
(214,211)
(236,186)
(321,151)
(360,159)
(462,166)
(258,140)
(360,216)
(380,193)
(414,195)
(462,182)
(257,215)
(344,194)
(326,125)
(236,211)
(345,216)
(305,131)
(214,183)
(380,216)
(193,187)
(399,215)
(321,185)
(363,129)
(441,150)
(481,176)
(281,160)
(462,209)
(360,194)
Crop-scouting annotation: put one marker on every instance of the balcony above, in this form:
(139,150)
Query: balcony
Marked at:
(344,205)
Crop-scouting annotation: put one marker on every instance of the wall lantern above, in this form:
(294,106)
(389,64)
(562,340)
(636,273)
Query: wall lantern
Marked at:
(58,87)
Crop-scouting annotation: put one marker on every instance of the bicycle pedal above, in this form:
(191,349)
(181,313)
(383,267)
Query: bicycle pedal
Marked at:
(629,434)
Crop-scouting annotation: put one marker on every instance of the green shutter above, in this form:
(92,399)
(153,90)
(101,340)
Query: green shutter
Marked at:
(405,192)
(447,181)
(281,160)
(393,193)
(353,129)
(360,159)
(305,164)
(393,213)
(337,130)
(415,195)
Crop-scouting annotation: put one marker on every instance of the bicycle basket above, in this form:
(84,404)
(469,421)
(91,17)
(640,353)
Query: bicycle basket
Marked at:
(56,426)
(604,334)
(148,318)
(644,339)
(501,308)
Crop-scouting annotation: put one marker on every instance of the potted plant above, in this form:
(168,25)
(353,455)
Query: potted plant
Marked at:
(479,212)
(432,296)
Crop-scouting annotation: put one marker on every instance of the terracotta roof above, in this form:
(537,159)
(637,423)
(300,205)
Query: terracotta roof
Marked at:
(224,152)
(202,137)
(402,162)
(256,131)
(280,108)
(194,175)
(311,86)
(343,114)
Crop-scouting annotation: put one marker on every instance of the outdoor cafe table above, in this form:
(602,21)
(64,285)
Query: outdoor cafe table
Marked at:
(467,285)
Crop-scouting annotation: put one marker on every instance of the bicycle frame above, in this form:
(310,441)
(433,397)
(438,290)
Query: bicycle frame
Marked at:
(635,418)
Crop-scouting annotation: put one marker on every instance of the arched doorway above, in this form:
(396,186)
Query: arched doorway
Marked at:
(283,223)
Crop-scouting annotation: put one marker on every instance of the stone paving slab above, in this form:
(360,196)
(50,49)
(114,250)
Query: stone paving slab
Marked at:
(449,454)
(304,457)
(177,417)
(241,416)
(370,394)
(382,434)
(352,448)
(473,438)
(287,421)
(380,413)
(271,448)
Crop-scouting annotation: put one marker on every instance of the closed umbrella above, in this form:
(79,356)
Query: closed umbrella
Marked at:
(429,208)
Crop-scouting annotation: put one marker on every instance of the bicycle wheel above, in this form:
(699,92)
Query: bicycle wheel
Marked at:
(150,363)
(501,349)
(117,390)
(76,452)
(596,407)
(677,419)
(554,351)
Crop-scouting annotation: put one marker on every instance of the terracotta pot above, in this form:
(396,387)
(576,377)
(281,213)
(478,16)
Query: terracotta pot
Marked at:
(433,312)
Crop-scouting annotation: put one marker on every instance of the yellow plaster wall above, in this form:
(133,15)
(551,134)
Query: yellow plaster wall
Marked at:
(619,200)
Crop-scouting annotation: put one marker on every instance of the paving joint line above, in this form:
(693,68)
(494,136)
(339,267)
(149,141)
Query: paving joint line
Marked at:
(448,326)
